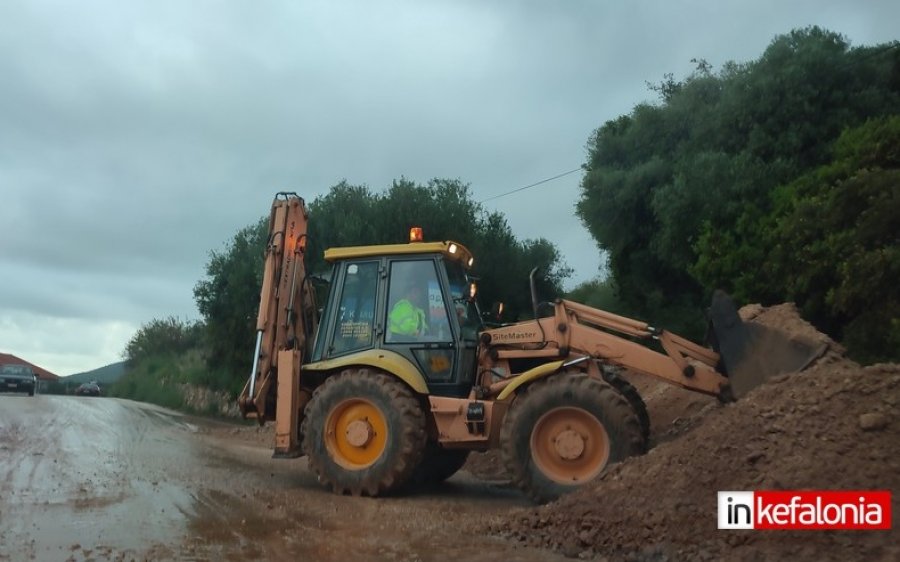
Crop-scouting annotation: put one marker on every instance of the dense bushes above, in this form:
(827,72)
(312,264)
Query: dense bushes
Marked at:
(774,179)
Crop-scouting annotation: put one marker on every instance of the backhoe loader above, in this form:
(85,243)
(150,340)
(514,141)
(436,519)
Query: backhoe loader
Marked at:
(377,406)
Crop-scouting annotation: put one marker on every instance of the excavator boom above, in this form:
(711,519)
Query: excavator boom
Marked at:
(286,321)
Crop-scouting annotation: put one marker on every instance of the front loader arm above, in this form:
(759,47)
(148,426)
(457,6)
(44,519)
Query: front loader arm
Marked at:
(579,330)
(683,362)
(746,354)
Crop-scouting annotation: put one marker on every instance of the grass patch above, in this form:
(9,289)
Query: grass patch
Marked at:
(156,379)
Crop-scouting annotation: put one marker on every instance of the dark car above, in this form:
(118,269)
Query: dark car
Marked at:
(88,389)
(17,378)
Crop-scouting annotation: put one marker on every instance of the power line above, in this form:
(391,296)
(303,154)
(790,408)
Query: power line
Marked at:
(529,186)
(876,52)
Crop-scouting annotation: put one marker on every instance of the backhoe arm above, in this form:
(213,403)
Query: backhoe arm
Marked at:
(287,319)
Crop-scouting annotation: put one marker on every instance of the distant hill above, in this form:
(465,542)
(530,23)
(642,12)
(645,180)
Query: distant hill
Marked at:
(104,375)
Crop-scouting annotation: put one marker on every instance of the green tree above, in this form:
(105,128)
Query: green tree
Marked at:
(228,299)
(167,336)
(345,216)
(703,165)
(598,293)
(830,243)
(349,215)
(354,215)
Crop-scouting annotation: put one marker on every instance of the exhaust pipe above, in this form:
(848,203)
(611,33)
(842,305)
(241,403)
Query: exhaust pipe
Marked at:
(534,299)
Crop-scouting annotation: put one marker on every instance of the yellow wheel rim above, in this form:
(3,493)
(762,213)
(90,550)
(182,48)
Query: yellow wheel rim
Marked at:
(355,433)
(569,445)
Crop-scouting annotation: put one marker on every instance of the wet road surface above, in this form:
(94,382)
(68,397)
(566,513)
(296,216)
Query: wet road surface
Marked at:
(107,479)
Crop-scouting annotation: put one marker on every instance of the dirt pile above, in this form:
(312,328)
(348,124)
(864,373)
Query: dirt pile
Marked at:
(834,426)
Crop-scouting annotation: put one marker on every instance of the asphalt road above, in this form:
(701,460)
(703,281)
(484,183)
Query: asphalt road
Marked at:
(107,479)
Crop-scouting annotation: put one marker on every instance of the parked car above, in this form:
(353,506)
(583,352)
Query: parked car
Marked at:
(88,389)
(17,378)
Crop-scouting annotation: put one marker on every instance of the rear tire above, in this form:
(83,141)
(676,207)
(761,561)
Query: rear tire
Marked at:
(563,432)
(364,433)
(438,464)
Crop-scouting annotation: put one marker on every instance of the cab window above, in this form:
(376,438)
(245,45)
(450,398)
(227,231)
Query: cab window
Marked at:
(356,312)
(463,306)
(416,309)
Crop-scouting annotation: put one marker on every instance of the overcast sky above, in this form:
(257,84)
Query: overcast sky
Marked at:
(135,137)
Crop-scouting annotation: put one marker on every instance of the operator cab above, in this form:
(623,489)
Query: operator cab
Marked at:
(413,299)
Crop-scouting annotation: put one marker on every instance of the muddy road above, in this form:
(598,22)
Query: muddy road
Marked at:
(107,479)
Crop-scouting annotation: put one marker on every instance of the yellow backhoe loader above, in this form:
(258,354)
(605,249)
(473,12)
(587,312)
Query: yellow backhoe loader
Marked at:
(395,379)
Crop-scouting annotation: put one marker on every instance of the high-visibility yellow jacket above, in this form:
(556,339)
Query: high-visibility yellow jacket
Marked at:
(407,319)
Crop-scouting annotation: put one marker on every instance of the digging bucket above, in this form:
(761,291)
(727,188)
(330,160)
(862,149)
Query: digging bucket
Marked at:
(752,353)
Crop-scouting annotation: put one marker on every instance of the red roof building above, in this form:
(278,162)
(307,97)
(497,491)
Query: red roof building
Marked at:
(43,374)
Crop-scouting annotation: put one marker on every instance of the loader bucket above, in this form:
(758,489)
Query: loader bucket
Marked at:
(752,353)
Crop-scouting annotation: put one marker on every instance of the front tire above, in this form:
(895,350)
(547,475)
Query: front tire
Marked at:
(563,432)
(637,403)
(364,433)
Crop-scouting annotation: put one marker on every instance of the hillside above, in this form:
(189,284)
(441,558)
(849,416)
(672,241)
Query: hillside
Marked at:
(104,375)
